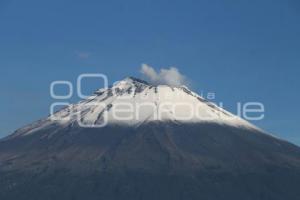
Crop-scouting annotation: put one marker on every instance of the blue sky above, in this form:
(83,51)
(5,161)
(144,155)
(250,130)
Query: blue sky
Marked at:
(241,50)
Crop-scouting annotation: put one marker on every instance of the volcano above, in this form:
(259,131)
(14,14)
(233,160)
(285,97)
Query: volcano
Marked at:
(137,141)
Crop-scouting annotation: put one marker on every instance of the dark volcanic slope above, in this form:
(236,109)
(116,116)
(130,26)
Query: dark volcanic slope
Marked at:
(152,161)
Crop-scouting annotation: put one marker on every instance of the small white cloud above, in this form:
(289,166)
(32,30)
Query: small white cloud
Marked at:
(83,55)
(170,76)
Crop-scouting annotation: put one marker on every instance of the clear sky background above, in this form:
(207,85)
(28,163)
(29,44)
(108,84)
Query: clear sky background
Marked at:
(247,50)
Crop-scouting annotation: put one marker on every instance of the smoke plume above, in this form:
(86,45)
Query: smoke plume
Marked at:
(171,76)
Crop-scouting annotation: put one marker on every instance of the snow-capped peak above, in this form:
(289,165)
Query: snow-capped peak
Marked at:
(132,101)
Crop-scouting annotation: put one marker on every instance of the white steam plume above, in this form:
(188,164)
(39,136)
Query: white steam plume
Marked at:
(171,76)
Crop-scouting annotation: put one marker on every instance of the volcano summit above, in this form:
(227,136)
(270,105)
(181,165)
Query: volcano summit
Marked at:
(135,140)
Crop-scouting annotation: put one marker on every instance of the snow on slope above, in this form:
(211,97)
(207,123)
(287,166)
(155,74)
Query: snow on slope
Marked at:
(133,102)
